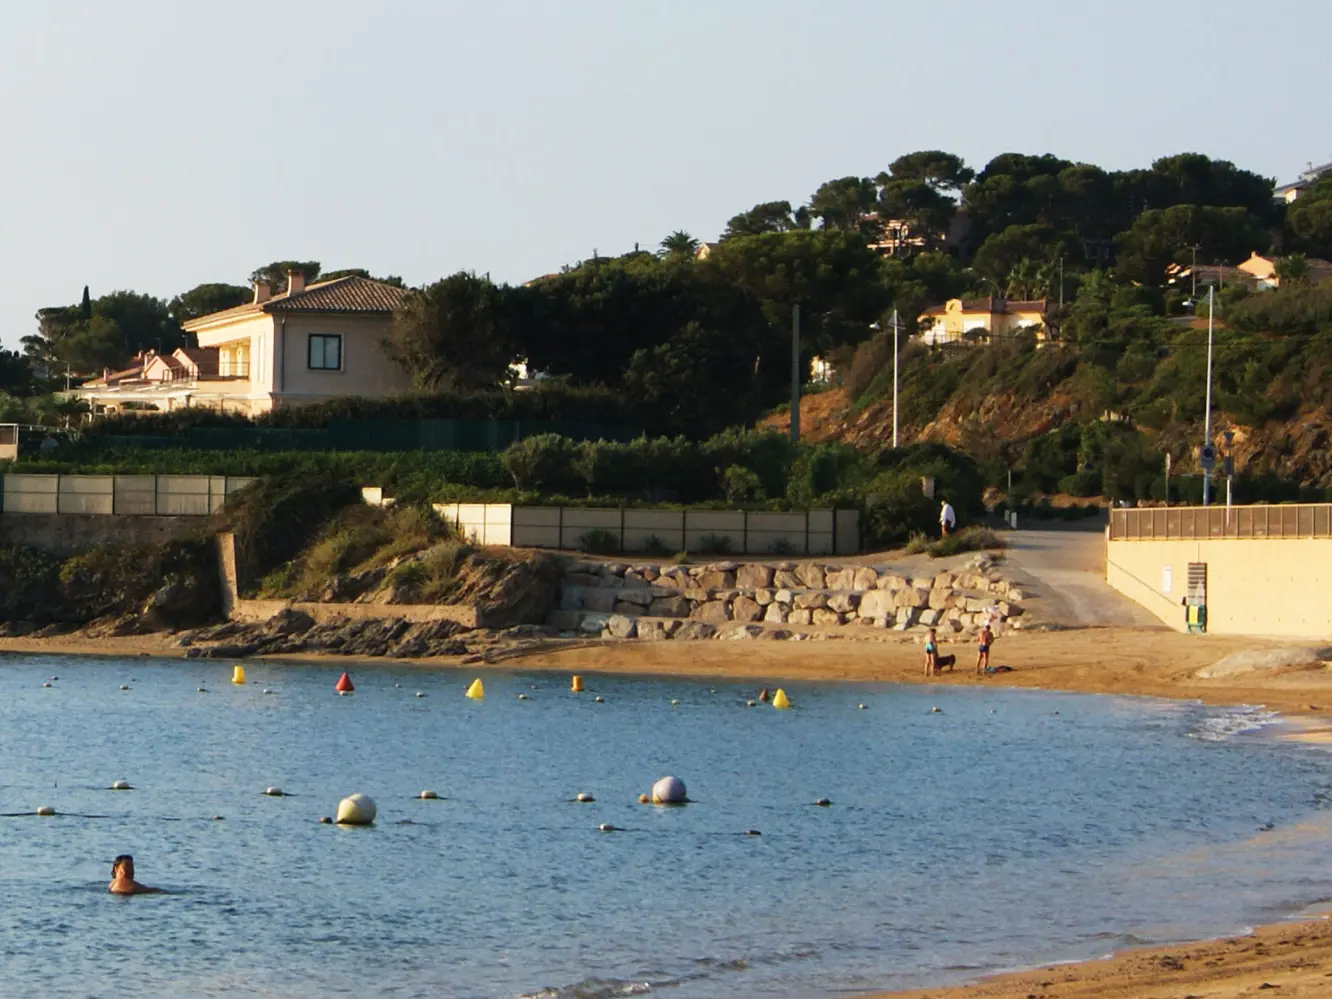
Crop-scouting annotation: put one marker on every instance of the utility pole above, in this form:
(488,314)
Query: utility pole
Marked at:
(896,326)
(1209,455)
(795,374)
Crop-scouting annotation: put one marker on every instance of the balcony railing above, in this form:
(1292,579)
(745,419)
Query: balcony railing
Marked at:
(225,371)
(1200,523)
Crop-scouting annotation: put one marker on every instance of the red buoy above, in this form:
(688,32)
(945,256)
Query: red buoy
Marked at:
(344,684)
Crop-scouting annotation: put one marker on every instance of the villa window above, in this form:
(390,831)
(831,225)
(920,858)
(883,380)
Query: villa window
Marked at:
(326,351)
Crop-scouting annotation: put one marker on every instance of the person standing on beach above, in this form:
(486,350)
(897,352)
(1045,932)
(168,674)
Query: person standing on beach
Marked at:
(122,879)
(931,654)
(983,649)
(947,518)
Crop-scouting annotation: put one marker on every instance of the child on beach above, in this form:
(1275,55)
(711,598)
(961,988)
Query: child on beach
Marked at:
(931,654)
(983,648)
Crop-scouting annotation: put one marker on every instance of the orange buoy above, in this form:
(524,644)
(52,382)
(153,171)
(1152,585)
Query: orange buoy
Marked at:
(344,684)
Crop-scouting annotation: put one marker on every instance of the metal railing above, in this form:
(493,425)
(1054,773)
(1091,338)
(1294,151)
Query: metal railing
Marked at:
(1200,523)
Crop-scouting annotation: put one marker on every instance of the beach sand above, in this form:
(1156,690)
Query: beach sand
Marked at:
(1287,959)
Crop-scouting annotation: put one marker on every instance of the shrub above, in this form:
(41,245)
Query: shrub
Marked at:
(781,547)
(714,544)
(968,540)
(918,544)
(653,545)
(600,541)
(543,462)
(740,484)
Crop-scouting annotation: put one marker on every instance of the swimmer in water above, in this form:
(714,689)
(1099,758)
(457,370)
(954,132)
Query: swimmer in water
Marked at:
(122,878)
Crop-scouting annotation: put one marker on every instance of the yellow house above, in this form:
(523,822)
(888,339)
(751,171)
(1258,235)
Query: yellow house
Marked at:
(979,320)
(1263,270)
(310,343)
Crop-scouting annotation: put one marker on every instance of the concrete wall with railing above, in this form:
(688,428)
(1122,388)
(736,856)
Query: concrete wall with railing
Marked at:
(1269,568)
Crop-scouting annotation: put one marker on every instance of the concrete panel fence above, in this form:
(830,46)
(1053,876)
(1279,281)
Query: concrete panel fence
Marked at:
(118,495)
(1200,523)
(746,532)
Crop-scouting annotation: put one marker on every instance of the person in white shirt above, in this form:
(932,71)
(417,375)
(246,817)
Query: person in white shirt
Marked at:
(947,518)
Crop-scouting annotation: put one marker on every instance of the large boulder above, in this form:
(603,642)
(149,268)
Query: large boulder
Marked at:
(827,618)
(712,611)
(696,630)
(672,606)
(876,604)
(801,616)
(866,578)
(775,614)
(844,603)
(717,579)
(811,576)
(753,577)
(621,626)
(745,609)
(840,579)
(601,601)
(786,579)
(811,601)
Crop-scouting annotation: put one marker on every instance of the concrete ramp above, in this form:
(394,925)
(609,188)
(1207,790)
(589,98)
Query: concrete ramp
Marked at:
(1066,567)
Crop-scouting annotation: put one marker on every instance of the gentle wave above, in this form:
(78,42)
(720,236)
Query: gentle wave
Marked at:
(1236,721)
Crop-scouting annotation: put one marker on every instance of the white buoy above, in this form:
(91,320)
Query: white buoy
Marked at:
(45,810)
(344,693)
(202,690)
(268,690)
(325,820)
(47,683)
(753,832)
(522,697)
(356,810)
(674,702)
(599,699)
(607,827)
(124,686)
(583,796)
(936,710)
(398,685)
(420,693)
(121,785)
(273,792)
(428,795)
(217,818)
(823,802)
(860,707)
(669,791)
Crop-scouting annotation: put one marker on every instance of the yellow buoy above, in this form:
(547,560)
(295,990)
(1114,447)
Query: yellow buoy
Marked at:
(238,674)
(476,692)
(576,684)
(780,700)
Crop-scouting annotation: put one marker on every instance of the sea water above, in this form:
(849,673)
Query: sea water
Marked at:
(1009,828)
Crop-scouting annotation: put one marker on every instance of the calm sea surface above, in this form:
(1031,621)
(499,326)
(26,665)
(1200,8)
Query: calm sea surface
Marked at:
(1012,828)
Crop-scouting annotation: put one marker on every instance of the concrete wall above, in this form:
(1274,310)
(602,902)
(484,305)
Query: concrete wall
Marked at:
(69,534)
(118,495)
(1259,586)
(749,532)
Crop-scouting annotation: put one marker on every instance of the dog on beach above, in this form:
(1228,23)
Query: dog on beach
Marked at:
(941,661)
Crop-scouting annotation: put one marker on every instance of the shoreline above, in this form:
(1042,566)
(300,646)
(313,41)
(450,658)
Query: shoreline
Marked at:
(1294,956)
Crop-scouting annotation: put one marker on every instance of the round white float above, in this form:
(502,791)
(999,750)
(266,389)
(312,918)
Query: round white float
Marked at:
(669,791)
(45,810)
(428,795)
(356,810)
(273,792)
(823,802)
(121,785)
(584,797)
(124,686)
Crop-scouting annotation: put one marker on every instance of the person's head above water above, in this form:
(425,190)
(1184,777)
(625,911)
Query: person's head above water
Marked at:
(122,867)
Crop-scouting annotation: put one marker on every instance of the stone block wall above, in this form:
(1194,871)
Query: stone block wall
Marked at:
(787,600)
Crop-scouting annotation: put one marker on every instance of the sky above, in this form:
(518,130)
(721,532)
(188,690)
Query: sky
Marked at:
(155,145)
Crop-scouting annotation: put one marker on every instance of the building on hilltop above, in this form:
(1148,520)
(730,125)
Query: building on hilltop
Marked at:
(1262,271)
(980,320)
(1308,178)
(307,344)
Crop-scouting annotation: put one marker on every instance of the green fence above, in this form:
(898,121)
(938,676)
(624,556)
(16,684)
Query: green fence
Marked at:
(379,435)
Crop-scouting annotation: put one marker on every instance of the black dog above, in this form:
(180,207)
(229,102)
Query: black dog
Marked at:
(941,661)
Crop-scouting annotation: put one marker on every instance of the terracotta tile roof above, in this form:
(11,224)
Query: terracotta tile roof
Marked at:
(348,294)
(352,294)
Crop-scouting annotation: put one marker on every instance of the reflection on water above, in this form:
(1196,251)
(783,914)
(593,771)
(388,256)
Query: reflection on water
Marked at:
(1010,829)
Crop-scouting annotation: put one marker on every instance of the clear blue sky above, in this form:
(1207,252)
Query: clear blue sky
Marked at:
(157,145)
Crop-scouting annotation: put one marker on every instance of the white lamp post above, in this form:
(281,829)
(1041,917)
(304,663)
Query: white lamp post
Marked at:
(1208,457)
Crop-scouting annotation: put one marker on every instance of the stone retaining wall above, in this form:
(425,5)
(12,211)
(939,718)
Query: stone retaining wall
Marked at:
(788,600)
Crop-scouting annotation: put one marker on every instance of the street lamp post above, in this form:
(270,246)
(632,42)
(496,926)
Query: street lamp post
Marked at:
(1208,458)
(896,327)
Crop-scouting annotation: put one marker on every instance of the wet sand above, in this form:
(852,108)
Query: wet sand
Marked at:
(1287,959)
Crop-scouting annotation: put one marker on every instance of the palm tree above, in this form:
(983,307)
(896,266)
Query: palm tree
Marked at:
(679,243)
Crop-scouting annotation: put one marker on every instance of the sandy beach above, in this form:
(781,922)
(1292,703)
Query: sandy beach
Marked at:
(1287,959)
